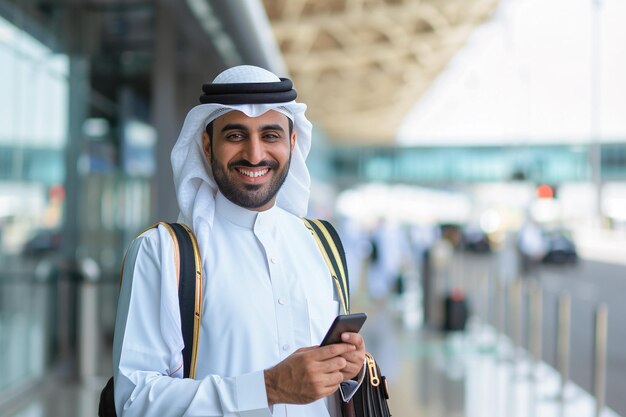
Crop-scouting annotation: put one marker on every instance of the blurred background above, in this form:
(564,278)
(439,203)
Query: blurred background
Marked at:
(472,154)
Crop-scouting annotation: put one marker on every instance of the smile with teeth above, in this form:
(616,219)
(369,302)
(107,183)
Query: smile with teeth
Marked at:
(253,174)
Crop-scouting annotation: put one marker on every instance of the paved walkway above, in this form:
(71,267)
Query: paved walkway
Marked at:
(470,374)
(477,375)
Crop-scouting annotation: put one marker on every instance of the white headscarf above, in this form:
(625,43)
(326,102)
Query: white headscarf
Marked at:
(193,176)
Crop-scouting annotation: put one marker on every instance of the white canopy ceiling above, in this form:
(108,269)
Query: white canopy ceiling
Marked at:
(360,65)
(526,77)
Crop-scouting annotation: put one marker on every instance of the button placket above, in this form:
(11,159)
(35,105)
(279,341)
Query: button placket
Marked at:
(279,283)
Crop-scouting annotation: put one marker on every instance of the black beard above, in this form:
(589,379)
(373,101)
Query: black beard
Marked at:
(252,196)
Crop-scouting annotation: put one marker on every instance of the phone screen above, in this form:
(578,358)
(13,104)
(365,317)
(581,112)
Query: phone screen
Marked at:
(343,323)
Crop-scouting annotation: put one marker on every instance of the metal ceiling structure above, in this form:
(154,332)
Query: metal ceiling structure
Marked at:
(361,65)
(141,60)
(122,38)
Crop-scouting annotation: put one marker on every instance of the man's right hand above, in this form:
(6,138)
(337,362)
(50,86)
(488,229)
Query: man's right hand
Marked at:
(307,375)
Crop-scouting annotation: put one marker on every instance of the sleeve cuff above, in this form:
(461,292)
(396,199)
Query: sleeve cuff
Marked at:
(348,388)
(252,396)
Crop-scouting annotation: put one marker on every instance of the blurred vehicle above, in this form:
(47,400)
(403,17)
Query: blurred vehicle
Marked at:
(474,239)
(43,242)
(560,248)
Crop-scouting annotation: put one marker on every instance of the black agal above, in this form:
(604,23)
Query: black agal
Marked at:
(248,93)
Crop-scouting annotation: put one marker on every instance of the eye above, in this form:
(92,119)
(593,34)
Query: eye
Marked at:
(235,136)
(271,136)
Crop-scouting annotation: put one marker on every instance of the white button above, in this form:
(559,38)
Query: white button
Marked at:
(285,347)
(274,260)
(281,301)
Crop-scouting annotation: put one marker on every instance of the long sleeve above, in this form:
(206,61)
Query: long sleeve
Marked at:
(147,355)
(266,292)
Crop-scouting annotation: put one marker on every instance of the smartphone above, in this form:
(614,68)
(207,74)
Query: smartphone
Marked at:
(343,323)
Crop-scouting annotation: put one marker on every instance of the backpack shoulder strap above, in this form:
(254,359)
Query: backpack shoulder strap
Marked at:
(189,277)
(189,295)
(330,246)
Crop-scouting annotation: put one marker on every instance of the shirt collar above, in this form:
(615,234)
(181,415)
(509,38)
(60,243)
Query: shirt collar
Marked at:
(239,215)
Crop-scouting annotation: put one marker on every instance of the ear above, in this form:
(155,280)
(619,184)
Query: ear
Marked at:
(206,145)
(292,140)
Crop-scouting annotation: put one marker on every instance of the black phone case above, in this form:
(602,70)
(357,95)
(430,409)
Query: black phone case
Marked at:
(343,323)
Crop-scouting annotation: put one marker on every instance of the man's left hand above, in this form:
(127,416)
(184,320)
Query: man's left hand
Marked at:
(356,358)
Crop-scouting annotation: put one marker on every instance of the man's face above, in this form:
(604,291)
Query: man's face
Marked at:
(250,156)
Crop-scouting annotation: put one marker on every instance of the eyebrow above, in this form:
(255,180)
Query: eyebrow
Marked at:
(237,126)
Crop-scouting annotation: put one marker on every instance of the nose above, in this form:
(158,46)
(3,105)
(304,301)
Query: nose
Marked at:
(254,151)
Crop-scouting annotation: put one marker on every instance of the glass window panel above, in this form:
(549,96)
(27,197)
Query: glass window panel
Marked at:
(33,128)
(8,88)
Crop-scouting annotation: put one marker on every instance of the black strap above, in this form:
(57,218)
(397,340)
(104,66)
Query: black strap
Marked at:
(186,304)
(186,292)
(330,244)
(342,254)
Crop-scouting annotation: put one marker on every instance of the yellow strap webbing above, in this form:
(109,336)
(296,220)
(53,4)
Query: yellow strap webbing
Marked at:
(339,277)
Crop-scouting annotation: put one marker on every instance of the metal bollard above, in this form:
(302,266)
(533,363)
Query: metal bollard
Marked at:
(599,354)
(499,315)
(563,340)
(498,308)
(485,297)
(535,338)
(490,294)
(88,345)
(515,301)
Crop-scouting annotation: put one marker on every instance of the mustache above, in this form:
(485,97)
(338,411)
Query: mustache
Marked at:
(247,164)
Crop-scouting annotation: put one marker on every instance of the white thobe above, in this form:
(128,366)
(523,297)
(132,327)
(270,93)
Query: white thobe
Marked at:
(267,292)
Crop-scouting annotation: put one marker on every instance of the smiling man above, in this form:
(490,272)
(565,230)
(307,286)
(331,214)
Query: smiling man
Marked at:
(242,186)
(250,157)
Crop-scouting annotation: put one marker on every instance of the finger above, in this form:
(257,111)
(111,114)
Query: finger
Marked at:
(332,381)
(354,363)
(351,371)
(323,387)
(321,369)
(352,368)
(330,351)
(332,365)
(354,339)
(355,358)
(327,383)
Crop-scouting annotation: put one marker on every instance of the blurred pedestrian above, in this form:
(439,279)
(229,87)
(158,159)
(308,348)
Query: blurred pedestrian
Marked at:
(531,245)
(389,249)
(357,247)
